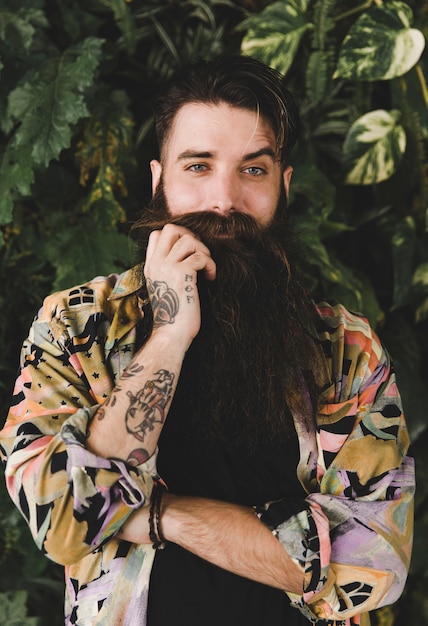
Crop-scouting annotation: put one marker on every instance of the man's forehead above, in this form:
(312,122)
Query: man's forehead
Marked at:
(197,123)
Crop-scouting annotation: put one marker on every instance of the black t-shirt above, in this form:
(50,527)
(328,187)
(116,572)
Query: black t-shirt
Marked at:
(188,591)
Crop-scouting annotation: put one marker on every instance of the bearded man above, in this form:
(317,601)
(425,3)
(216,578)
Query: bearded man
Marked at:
(196,440)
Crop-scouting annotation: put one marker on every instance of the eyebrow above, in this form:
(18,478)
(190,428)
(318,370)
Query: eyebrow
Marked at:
(194,154)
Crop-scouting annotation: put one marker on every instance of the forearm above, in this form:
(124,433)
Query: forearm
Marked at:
(227,535)
(129,424)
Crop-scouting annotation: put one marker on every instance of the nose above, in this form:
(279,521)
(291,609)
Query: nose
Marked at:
(225,193)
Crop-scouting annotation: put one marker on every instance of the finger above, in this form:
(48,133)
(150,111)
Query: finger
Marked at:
(170,235)
(152,244)
(187,245)
(200,262)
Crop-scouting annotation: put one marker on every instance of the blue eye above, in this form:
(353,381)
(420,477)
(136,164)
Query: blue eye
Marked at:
(255,171)
(197,167)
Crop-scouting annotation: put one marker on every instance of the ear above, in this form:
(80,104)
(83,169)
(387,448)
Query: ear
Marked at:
(287,178)
(156,169)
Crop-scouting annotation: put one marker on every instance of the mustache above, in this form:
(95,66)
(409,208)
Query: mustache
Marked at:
(210,226)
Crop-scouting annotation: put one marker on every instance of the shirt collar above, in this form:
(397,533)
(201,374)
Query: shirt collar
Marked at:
(128,283)
(128,298)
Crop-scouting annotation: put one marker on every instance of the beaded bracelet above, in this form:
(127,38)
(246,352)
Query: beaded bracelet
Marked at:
(155,532)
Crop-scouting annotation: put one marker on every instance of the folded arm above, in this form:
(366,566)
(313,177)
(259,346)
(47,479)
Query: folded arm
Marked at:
(227,535)
(79,453)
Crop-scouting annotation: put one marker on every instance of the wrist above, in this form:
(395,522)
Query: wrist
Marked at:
(171,338)
(170,517)
(155,526)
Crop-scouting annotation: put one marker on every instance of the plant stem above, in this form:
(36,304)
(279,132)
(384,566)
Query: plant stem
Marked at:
(422,81)
(357,9)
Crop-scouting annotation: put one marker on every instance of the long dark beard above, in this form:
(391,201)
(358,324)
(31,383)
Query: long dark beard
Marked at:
(255,359)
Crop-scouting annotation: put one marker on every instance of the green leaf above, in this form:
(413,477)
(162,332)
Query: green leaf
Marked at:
(308,181)
(274,35)
(125,21)
(405,348)
(374,147)
(403,249)
(323,23)
(420,277)
(16,178)
(103,152)
(337,280)
(24,21)
(420,289)
(82,251)
(13,610)
(51,100)
(380,45)
(316,76)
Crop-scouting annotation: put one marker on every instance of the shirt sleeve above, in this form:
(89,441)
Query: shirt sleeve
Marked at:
(73,500)
(353,534)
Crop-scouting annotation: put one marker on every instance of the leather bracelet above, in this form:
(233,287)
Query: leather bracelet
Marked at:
(155,532)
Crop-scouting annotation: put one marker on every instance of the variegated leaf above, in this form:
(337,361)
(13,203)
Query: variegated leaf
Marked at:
(374,147)
(274,35)
(380,45)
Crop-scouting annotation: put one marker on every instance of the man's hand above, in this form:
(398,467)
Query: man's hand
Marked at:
(174,257)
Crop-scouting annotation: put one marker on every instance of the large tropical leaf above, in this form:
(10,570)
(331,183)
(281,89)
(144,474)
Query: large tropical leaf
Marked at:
(274,35)
(51,100)
(79,255)
(381,44)
(374,147)
(23,22)
(44,110)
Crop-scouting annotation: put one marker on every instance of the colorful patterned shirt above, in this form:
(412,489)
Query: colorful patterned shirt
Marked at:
(353,538)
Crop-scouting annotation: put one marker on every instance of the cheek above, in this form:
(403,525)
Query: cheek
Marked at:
(183,199)
(262,206)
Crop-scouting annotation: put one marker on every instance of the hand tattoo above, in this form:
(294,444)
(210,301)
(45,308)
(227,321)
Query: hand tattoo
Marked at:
(164,301)
(147,407)
(189,288)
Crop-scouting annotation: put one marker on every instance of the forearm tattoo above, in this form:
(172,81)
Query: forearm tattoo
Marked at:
(147,406)
(164,301)
(138,457)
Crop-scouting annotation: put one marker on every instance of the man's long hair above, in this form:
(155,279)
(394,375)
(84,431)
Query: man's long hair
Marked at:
(256,359)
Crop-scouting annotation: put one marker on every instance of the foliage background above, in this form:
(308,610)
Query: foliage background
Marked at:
(77,85)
